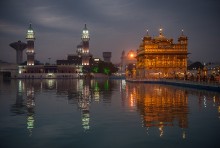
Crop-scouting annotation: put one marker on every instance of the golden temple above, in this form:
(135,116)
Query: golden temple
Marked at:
(159,57)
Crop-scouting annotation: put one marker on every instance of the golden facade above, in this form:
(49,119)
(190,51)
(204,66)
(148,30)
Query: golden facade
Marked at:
(159,57)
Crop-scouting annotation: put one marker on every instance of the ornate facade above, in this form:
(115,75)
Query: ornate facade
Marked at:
(30,36)
(159,57)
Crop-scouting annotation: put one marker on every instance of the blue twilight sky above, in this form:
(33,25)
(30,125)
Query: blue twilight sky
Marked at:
(114,25)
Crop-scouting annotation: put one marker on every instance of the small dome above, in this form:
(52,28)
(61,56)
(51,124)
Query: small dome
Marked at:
(161,36)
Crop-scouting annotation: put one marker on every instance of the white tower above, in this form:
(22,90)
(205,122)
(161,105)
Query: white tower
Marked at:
(30,46)
(85,46)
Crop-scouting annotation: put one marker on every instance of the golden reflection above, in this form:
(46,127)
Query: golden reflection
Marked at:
(161,130)
(159,105)
(163,105)
(213,99)
(51,83)
(132,97)
(131,100)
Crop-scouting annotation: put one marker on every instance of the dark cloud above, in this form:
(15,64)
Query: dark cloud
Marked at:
(114,25)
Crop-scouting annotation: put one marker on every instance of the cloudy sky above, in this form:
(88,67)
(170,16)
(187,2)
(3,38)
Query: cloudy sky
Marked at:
(114,25)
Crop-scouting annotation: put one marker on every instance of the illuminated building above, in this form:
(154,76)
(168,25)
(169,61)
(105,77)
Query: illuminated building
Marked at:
(47,71)
(69,68)
(159,57)
(19,47)
(30,46)
(82,58)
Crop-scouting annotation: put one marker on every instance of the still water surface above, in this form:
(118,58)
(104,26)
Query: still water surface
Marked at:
(106,113)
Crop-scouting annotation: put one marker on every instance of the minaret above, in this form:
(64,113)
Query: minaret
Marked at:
(30,46)
(147,37)
(183,39)
(85,46)
(147,32)
(160,32)
(85,39)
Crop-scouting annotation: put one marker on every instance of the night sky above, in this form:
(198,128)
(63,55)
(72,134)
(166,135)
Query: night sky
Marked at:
(114,25)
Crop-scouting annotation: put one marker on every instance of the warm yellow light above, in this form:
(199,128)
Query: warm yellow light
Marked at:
(131,55)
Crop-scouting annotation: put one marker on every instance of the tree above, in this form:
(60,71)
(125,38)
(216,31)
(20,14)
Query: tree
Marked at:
(104,67)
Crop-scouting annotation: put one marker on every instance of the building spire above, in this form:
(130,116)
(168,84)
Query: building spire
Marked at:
(85,28)
(85,34)
(160,31)
(182,32)
(30,27)
(147,32)
(30,33)
(30,46)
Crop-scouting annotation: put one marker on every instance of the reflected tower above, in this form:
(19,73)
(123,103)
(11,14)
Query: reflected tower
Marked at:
(19,107)
(30,104)
(84,100)
(30,46)
(19,47)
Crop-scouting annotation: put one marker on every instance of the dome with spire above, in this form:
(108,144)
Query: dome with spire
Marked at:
(85,33)
(161,37)
(30,33)
(182,39)
(147,37)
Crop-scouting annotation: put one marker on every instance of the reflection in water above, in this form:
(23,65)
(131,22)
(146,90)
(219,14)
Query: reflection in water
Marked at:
(162,106)
(19,108)
(207,98)
(51,83)
(30,103)
(22,107)
(84,101)
(96,91)
(83,92)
